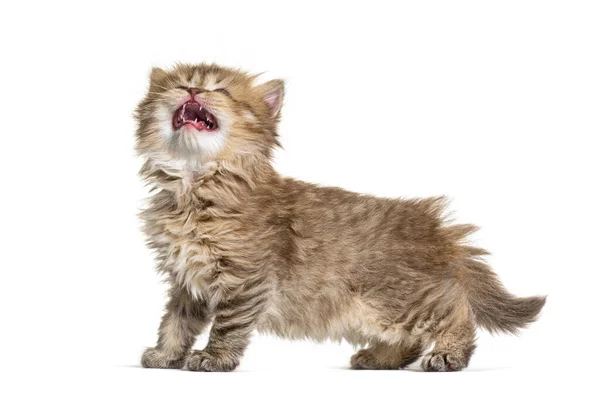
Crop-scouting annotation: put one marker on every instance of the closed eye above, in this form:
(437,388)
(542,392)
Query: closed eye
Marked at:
(224,91)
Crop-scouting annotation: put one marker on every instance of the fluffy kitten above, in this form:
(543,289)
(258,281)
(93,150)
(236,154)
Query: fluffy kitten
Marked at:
(248,249)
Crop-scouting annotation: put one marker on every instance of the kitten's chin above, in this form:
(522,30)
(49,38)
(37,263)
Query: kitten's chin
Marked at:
(191,144)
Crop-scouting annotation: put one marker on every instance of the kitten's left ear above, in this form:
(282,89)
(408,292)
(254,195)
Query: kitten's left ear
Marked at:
(156,76)
(272,93)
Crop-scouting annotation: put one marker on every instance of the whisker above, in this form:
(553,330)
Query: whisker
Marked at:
(164,87)
(160,93)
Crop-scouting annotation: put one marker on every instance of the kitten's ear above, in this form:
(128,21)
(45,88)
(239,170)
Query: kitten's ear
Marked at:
(156,76)
(272,93)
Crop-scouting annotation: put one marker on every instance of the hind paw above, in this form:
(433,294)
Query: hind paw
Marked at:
(363,360)
(367,360)
(442,362)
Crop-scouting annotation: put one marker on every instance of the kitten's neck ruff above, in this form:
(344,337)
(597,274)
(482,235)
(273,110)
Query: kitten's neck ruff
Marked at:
(239,175)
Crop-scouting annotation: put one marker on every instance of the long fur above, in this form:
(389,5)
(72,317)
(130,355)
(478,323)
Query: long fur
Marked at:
(248,249)
(494,308)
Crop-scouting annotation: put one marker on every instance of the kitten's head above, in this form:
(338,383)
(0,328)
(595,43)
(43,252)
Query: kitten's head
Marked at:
(200,113)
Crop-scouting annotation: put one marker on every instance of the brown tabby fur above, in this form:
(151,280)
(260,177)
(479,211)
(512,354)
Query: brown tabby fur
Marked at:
(248,249)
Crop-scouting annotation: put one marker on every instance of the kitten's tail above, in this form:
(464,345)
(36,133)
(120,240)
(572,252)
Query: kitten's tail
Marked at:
(495,309)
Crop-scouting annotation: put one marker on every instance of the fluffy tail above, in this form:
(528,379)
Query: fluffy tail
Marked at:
(495,309)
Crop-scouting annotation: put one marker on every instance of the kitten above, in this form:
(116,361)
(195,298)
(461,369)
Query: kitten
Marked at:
(245,248)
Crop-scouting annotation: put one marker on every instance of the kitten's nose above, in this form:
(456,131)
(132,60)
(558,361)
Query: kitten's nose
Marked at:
(193,92)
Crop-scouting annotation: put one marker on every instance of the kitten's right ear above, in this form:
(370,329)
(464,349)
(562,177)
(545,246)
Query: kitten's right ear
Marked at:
(272,93)
(157,75)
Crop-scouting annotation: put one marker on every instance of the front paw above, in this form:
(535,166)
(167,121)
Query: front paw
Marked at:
(153,358)
(205,361)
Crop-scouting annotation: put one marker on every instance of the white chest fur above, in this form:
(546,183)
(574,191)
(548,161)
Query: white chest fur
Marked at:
(193,266)
(189,230)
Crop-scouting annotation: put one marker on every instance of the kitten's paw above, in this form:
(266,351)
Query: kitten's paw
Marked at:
(362,360)
(442,362)
(365,359)
(203,361)
(153,358)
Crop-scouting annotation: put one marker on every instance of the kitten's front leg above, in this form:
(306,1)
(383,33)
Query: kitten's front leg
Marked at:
(184,320)
(234,321)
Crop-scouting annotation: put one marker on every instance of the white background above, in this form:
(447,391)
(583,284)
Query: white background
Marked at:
(494,104)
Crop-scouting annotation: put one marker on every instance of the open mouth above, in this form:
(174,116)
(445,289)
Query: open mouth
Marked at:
(192,113)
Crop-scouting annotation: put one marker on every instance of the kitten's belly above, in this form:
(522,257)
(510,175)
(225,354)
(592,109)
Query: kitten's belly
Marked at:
(308,320)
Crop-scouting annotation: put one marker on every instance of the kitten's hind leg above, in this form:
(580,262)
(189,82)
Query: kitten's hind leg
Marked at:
(387,356)
(453,349)
(184,320)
